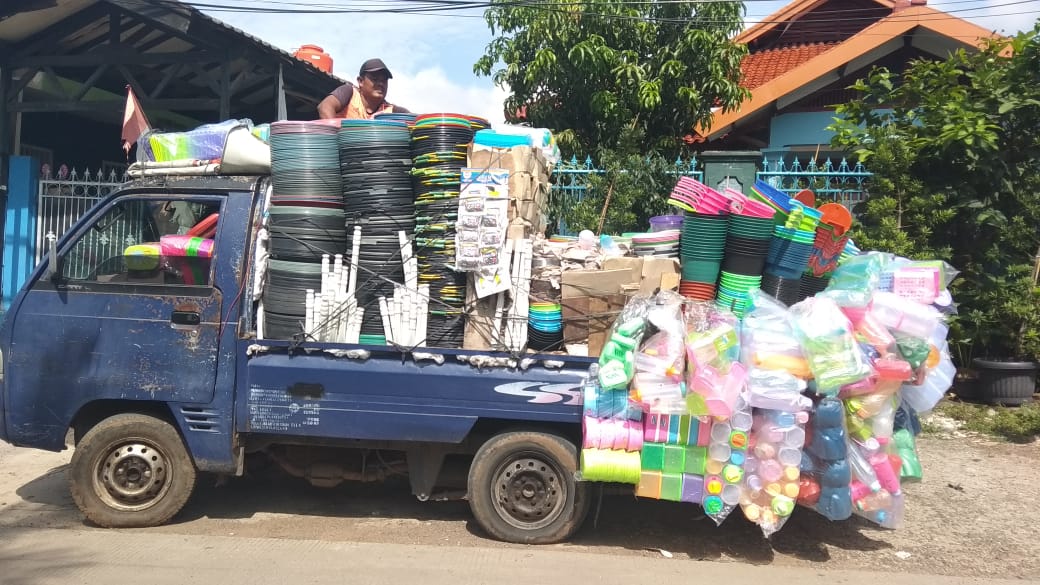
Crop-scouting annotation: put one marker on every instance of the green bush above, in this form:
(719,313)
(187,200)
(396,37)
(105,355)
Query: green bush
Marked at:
(955,150)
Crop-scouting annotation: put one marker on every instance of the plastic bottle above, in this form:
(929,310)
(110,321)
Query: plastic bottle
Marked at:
(880,500)
(907,450)
(862,470)
(886,475)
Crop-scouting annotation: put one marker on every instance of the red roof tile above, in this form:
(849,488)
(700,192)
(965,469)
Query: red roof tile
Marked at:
(763,66)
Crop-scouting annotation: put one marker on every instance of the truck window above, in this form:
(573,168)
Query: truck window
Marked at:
(145,241)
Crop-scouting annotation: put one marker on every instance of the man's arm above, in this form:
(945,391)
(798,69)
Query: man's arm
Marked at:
(399,110)
(335,101)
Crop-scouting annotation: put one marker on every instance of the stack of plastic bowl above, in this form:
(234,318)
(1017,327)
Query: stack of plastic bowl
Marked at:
(285,306)
(832,238)
(702,248)
(545,326)
(793,242)
(408,119)
(660,244)
(305,165)
(695,197)
(664,223)
(776,199)
(306,219)
(748,237)
(375,162)
(439,145)
(733,292)
(304,234)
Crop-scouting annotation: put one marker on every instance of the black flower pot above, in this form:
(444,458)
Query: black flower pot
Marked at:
(1009,383)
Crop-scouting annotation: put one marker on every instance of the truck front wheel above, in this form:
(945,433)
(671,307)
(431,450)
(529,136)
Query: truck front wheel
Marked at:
(131,471)
(522,488)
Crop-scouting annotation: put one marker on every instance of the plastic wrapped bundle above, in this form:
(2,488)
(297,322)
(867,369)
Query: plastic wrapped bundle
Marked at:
(617,360)
(767,339)
(826,336)
(727,453)
(875,487)
(714,376)
(772,477)
(856,280)
(660,361)
(824,485)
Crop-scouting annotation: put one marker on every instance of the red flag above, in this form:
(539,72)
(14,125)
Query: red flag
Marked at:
(134,121)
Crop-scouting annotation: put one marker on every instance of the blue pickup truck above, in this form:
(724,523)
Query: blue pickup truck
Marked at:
(159,376)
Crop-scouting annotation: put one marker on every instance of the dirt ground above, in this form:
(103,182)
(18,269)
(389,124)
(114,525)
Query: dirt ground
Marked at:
(974,515)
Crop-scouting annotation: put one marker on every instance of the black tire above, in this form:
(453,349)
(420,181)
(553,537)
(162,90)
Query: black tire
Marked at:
(522,488)
(112,460)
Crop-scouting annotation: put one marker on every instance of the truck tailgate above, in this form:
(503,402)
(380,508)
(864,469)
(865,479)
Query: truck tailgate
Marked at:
(391,397)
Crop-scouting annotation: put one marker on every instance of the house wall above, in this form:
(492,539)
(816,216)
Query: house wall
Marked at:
(800,129)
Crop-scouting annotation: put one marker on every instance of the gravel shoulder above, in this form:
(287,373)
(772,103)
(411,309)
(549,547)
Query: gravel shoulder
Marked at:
(972,516)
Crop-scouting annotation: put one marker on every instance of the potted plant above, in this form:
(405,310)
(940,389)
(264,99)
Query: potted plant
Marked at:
(1005,323)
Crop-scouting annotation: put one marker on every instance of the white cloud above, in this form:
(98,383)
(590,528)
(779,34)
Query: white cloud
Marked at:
(430,91)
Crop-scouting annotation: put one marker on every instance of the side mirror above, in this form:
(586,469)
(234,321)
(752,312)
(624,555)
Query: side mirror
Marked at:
(53,260)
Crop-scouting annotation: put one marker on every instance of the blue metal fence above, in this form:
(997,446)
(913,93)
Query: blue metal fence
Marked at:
(571,178)
(845,183)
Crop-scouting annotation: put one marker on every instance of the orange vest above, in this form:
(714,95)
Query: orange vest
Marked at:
(356,110)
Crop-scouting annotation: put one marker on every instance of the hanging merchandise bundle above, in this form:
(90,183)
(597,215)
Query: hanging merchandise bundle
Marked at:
(785,407)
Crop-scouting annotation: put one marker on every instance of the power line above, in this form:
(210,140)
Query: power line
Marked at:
(379,6)
(450,8)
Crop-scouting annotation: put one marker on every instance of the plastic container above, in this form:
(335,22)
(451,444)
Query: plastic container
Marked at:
(316,56)
(661,223)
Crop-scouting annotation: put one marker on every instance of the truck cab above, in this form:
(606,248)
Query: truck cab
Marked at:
(147,351)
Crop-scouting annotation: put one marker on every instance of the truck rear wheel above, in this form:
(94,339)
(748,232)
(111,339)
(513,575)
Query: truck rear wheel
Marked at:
(131,471)
(522,488)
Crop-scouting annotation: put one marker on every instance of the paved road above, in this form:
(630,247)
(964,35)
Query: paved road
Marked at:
(66,557)
(271,530)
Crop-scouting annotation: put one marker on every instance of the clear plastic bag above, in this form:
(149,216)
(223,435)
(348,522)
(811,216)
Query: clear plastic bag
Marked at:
(726,456)
(714,376)
(660,362)
(905,316)
(824,485)
(826,336)
(767,339)
(856,280)
(876,492)
(773,468)
(617,359)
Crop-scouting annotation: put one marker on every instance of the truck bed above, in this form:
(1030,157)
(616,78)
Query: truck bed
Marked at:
(315,391)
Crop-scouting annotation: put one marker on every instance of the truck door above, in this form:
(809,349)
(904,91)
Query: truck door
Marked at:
(133,314)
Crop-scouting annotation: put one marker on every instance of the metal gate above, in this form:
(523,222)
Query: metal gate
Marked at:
(843,183)
(64,198)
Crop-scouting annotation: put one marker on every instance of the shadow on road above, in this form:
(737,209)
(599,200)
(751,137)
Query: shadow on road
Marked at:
(51,488)
(616,521)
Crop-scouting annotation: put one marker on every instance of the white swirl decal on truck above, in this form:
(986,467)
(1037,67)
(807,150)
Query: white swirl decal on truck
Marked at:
(543,394)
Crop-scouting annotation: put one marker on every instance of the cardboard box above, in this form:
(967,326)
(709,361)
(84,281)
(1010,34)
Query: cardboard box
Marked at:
(480,319)
(659,273)
(594,283)
(517,159)
(591,318)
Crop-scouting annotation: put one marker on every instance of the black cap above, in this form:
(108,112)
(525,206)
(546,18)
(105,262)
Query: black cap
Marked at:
(375,65)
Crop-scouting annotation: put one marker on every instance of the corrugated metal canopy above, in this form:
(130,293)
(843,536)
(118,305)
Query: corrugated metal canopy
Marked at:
(79,55)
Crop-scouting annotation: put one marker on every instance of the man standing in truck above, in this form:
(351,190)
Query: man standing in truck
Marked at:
(364,101)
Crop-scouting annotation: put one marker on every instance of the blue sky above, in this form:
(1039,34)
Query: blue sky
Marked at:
(432,57)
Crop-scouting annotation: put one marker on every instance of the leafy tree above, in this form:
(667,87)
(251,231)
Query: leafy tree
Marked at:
(632,188)
(955,148)
(593,70)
